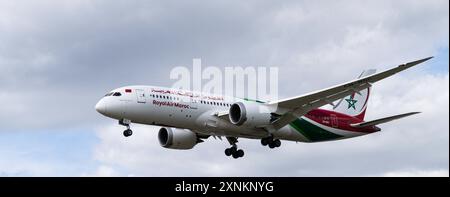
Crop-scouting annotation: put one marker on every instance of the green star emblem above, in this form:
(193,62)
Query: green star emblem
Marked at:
(351,103)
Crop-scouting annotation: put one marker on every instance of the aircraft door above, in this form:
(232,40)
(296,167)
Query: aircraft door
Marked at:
(140,96)
(193,103)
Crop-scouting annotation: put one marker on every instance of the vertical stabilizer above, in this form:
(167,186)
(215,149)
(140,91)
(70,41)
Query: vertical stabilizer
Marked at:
(355,104)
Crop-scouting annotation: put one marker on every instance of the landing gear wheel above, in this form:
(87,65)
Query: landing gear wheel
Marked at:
(125,122)
(267,141)
(277,143)
(127,133)
(235,155)
(272,145)
(228,152)
(240,153)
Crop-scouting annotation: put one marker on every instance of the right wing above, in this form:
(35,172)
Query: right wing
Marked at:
(292,108)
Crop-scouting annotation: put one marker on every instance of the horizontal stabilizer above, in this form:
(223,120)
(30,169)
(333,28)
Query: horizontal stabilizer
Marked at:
(382,120)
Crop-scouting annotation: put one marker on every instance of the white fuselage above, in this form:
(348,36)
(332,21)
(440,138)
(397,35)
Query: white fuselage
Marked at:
(182,109)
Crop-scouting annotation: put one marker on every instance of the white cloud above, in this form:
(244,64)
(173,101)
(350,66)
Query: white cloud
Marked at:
(104,171)
(418,173)
(34,163)
(58,58)
(46,47)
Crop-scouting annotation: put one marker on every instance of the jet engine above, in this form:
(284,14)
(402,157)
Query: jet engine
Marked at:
(177,138)
(250,114)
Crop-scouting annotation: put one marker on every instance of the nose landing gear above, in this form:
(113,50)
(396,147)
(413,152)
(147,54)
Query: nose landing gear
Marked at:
(125,122)
(127,133)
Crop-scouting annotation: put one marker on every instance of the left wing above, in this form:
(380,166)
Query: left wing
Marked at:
(292,108)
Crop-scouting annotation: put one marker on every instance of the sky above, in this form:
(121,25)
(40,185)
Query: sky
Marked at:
(58,58)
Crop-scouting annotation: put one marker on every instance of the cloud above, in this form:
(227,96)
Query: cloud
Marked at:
(104,171)
(58,58)
(47,152)
(75,51)
(418,173)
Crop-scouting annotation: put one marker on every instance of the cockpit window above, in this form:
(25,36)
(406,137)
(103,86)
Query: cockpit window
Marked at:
(113,94)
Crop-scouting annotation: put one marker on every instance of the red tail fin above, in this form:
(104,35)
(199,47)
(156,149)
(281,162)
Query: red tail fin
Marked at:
(355,104)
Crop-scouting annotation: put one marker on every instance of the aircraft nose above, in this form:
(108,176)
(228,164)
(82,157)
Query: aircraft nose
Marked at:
(100,107)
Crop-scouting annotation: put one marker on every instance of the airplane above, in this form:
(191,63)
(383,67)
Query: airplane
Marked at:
(188,118)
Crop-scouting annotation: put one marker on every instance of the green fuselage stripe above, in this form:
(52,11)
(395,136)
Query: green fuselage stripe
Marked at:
(312,132)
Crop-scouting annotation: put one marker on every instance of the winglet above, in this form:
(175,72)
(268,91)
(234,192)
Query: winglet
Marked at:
(410,64)
(423,60)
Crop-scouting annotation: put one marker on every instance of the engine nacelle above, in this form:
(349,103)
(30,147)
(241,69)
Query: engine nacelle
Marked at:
(177,138)
(250,114)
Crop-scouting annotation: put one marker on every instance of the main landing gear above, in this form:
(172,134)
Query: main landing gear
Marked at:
(125,122)
(233,150)
(273,143)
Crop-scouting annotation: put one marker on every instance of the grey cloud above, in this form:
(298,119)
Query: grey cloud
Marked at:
(58,55)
